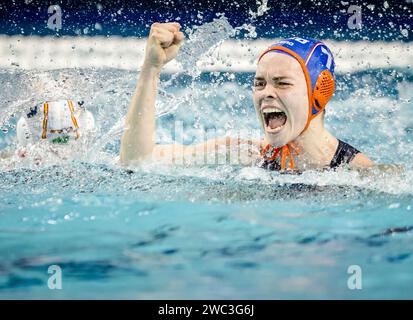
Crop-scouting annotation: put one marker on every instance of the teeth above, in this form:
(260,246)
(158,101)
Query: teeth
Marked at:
(269,110)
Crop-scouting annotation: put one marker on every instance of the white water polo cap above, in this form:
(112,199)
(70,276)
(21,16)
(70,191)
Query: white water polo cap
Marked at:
(58,121)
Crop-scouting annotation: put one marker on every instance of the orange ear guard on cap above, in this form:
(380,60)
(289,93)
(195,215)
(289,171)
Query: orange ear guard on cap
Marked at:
(323,91)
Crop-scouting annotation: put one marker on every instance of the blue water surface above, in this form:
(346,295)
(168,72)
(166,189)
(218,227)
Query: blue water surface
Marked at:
(216,231)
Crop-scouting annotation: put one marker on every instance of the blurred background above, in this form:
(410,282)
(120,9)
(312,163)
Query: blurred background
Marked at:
(108,33)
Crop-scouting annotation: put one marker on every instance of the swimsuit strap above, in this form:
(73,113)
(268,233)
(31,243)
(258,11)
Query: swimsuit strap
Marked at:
(345,153)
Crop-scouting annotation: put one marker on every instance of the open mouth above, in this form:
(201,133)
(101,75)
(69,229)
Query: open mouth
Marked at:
(274,119)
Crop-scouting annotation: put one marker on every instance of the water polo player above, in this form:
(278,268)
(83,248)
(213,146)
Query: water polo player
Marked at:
(52,123)
(293,83)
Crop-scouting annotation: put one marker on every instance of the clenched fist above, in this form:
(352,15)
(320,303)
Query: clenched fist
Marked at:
(163,43)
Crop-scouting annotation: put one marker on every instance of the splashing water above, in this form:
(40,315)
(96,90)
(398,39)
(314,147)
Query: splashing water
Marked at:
(261,10)
(201,44)
(202,40)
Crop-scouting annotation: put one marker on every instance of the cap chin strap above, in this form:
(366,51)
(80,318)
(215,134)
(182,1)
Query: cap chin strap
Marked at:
(72,114)
(286,150)
(45,117)
(271,153)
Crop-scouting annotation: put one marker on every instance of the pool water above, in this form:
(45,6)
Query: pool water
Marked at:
(206,232)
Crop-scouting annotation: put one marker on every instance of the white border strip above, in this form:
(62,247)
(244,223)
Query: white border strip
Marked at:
(232,56)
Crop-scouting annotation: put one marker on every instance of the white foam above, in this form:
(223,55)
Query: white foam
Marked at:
(47,53)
